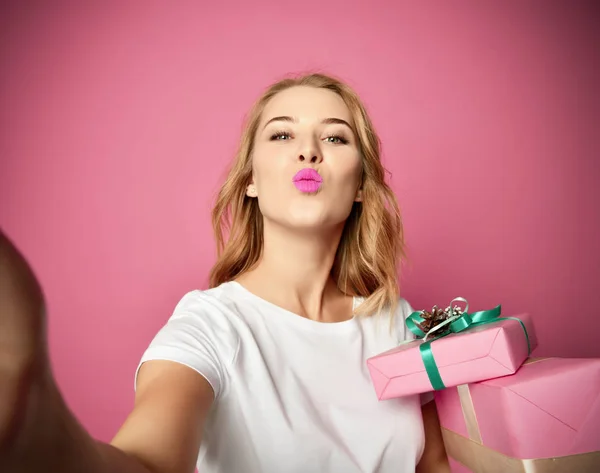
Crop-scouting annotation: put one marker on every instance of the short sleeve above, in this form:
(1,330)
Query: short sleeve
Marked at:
(198,335)
(405,309)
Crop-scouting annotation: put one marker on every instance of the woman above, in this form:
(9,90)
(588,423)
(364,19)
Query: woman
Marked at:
(265,371)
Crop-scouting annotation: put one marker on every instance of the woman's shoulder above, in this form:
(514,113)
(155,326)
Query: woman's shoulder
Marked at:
(200,317)
(399,314)
(201,333)
(401,310)
(404,308)
(215,301)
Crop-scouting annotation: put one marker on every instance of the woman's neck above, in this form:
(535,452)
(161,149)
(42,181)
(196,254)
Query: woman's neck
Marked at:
(294,272)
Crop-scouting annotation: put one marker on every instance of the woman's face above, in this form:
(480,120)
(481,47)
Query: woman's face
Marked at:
(303,130)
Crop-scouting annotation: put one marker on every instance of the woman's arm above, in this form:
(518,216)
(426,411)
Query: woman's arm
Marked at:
(38,432)
(161,435)
(164,430)
(434,459)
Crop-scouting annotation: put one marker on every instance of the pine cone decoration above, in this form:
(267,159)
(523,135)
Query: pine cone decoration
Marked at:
(433,318)
(451,311)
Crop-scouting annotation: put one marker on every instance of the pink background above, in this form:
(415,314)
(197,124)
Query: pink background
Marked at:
(117,123)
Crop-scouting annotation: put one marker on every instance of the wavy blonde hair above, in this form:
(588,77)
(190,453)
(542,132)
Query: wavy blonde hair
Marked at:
(372,242)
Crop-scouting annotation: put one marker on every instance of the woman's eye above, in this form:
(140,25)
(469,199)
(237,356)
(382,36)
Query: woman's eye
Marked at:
(286,136)
(280,136)
(335,139)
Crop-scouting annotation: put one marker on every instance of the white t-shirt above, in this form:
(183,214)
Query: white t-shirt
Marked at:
(292,395)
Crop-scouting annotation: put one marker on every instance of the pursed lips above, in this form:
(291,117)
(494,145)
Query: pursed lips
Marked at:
(307,180)
(308,174)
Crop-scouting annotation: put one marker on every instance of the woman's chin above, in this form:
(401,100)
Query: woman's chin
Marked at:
(314,224)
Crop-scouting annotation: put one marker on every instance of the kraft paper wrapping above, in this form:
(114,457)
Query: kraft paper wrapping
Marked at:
(481,459)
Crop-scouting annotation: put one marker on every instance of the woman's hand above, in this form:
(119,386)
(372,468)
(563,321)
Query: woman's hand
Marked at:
(37,430)
(434,459)
(23,354)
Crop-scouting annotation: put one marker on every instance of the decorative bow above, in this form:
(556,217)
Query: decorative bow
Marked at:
(453,319)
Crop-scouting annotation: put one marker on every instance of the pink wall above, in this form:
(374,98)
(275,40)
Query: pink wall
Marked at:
(117,123)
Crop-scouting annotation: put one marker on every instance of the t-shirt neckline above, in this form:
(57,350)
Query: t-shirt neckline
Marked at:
(297,319)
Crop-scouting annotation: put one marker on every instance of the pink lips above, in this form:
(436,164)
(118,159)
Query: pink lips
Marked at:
(307,180)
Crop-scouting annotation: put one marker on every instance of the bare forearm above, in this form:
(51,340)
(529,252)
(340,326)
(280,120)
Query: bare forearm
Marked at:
(38,433)
(434,458)
(48,437)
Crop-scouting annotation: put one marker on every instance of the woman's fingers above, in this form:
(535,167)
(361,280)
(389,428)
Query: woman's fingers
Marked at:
(21,306)
(22,333)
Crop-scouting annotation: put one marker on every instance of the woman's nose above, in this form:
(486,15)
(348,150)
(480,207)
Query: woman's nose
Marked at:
(309,151)
(314,158)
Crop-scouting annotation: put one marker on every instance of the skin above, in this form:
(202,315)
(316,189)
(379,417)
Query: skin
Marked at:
(302,231)
(162,434)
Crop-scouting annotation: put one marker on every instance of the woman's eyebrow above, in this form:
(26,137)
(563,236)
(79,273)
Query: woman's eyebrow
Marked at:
(336,121)
(280,119)
(326,121)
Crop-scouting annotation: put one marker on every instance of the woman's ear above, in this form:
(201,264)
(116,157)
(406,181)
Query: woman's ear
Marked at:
(359,196)
(251,189)
(359,190)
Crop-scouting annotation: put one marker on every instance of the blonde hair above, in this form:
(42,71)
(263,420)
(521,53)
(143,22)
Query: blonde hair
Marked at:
(372,242)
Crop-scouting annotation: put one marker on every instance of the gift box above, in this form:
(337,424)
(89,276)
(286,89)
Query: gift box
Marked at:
(490,347)
(543,419)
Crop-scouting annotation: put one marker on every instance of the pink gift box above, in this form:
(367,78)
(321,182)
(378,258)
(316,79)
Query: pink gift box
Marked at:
(479,353)
(545,418)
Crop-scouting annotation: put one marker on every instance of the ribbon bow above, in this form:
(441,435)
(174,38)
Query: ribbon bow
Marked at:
(454,320)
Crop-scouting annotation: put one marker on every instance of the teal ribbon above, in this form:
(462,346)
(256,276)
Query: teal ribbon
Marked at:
(457,324)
